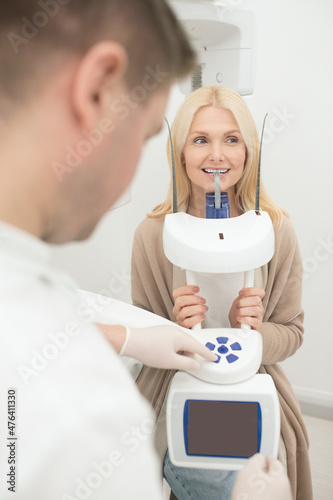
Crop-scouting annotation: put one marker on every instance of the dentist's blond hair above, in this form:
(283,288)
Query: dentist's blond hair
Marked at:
(221,97)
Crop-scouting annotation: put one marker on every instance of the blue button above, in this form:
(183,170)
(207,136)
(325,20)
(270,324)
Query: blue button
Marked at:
(231,358)
(223,349)
(218,359)
(236,346)
(222,340)
(210,346)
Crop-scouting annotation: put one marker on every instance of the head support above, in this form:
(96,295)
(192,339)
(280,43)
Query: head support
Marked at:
(257,207)
(174,183)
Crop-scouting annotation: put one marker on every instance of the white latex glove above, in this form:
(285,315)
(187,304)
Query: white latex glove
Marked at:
(164,346)
(262,479)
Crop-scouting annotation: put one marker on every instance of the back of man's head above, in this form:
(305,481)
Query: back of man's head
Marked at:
(37,35)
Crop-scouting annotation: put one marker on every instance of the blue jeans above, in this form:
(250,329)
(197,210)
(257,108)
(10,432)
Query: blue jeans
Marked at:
(197,484)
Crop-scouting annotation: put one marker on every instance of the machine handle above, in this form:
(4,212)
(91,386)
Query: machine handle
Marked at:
(248,283)
(190,278)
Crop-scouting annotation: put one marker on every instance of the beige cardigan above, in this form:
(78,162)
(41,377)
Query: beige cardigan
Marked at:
(282,332)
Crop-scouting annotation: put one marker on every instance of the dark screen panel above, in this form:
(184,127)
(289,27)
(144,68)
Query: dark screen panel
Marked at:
(222,428)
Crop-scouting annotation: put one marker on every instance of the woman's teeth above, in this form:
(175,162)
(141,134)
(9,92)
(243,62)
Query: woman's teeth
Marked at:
(213,170)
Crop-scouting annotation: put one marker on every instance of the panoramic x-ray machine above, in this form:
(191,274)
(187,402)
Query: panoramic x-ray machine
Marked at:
(222,414)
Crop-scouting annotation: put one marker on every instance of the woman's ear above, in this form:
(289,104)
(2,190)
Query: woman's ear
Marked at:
(98,77)
(183,159)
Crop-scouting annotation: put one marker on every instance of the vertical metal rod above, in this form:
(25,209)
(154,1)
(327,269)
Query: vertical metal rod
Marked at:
(174,184)
(248,283)
(257,207)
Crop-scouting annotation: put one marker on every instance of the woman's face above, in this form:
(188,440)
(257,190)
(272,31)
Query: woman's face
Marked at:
(214,143)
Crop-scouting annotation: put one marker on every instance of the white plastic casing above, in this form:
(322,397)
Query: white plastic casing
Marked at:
(219,245)
(240,354)
(224,37)
(264,430)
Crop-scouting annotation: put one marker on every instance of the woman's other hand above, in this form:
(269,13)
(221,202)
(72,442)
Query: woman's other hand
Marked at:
(189,308)
(247,308)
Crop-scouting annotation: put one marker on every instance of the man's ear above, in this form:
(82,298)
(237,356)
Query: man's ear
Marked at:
(98,72)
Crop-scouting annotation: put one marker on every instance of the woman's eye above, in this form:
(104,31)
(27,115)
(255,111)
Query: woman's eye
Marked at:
(200,140)
(232,139)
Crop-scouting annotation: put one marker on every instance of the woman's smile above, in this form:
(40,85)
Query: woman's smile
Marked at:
(211,171)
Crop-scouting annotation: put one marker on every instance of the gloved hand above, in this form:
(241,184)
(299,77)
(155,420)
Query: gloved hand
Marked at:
(164,346)
(262,479)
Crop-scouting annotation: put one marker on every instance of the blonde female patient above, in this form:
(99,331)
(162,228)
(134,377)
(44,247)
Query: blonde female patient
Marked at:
(214,131)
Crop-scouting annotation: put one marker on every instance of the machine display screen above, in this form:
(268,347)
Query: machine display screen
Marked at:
(222,428)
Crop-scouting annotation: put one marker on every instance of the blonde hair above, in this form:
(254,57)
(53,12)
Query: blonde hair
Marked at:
(217,96)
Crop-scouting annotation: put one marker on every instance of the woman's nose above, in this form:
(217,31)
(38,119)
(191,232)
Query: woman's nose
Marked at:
(216,153)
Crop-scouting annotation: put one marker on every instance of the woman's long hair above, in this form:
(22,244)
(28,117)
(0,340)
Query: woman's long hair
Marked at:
(245,189)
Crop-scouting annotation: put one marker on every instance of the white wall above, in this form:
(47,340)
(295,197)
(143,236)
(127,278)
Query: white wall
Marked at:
(294,84)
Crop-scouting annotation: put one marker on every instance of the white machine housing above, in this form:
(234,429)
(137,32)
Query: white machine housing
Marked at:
(239,354)
(231,245)
(221,426)
(223,413)
(224,37)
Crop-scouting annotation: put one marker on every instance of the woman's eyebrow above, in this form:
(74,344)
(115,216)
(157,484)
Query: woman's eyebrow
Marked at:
(206,132)
(234,131)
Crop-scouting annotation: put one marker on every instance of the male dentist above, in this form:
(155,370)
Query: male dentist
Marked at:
(73,425)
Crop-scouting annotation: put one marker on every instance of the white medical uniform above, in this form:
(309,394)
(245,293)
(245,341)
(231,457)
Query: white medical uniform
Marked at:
(82,430)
